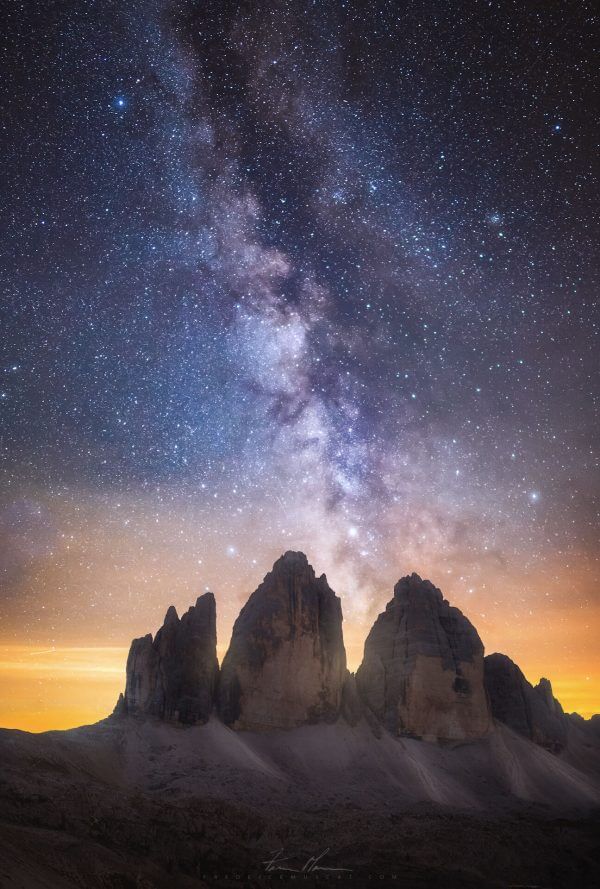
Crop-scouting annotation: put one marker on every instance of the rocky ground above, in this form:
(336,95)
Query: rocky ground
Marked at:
(138,803)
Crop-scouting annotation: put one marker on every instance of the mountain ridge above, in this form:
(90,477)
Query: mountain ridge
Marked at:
(423,674)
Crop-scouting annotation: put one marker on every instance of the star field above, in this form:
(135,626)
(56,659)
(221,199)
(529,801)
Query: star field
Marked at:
(308,275)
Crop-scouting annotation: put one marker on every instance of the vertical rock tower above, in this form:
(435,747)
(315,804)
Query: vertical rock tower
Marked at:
(286,664)
(422,672)
(174,676)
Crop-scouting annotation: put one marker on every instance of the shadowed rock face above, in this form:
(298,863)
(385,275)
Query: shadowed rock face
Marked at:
(544,690)
(532,711)
(286,664)
(422,672)
(174,677)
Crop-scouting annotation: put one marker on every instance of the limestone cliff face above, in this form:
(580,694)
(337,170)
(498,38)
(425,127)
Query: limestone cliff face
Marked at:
(532,711)
(174,676)
(286,664)
(422,672)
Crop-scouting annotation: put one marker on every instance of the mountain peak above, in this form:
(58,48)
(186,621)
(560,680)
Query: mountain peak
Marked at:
(544,690)
(292,561)
(544,685)
(205,598)
(286,663)
(171,617)
(422,672)
(414,585)
(291,555)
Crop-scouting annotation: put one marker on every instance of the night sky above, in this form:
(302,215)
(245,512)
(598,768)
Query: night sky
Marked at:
(285,275)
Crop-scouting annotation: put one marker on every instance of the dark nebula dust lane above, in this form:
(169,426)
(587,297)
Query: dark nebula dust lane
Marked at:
(312,276)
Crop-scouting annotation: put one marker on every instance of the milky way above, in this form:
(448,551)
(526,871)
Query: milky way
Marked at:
(316,276)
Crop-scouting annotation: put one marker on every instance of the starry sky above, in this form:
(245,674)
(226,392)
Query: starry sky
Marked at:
(288,275)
